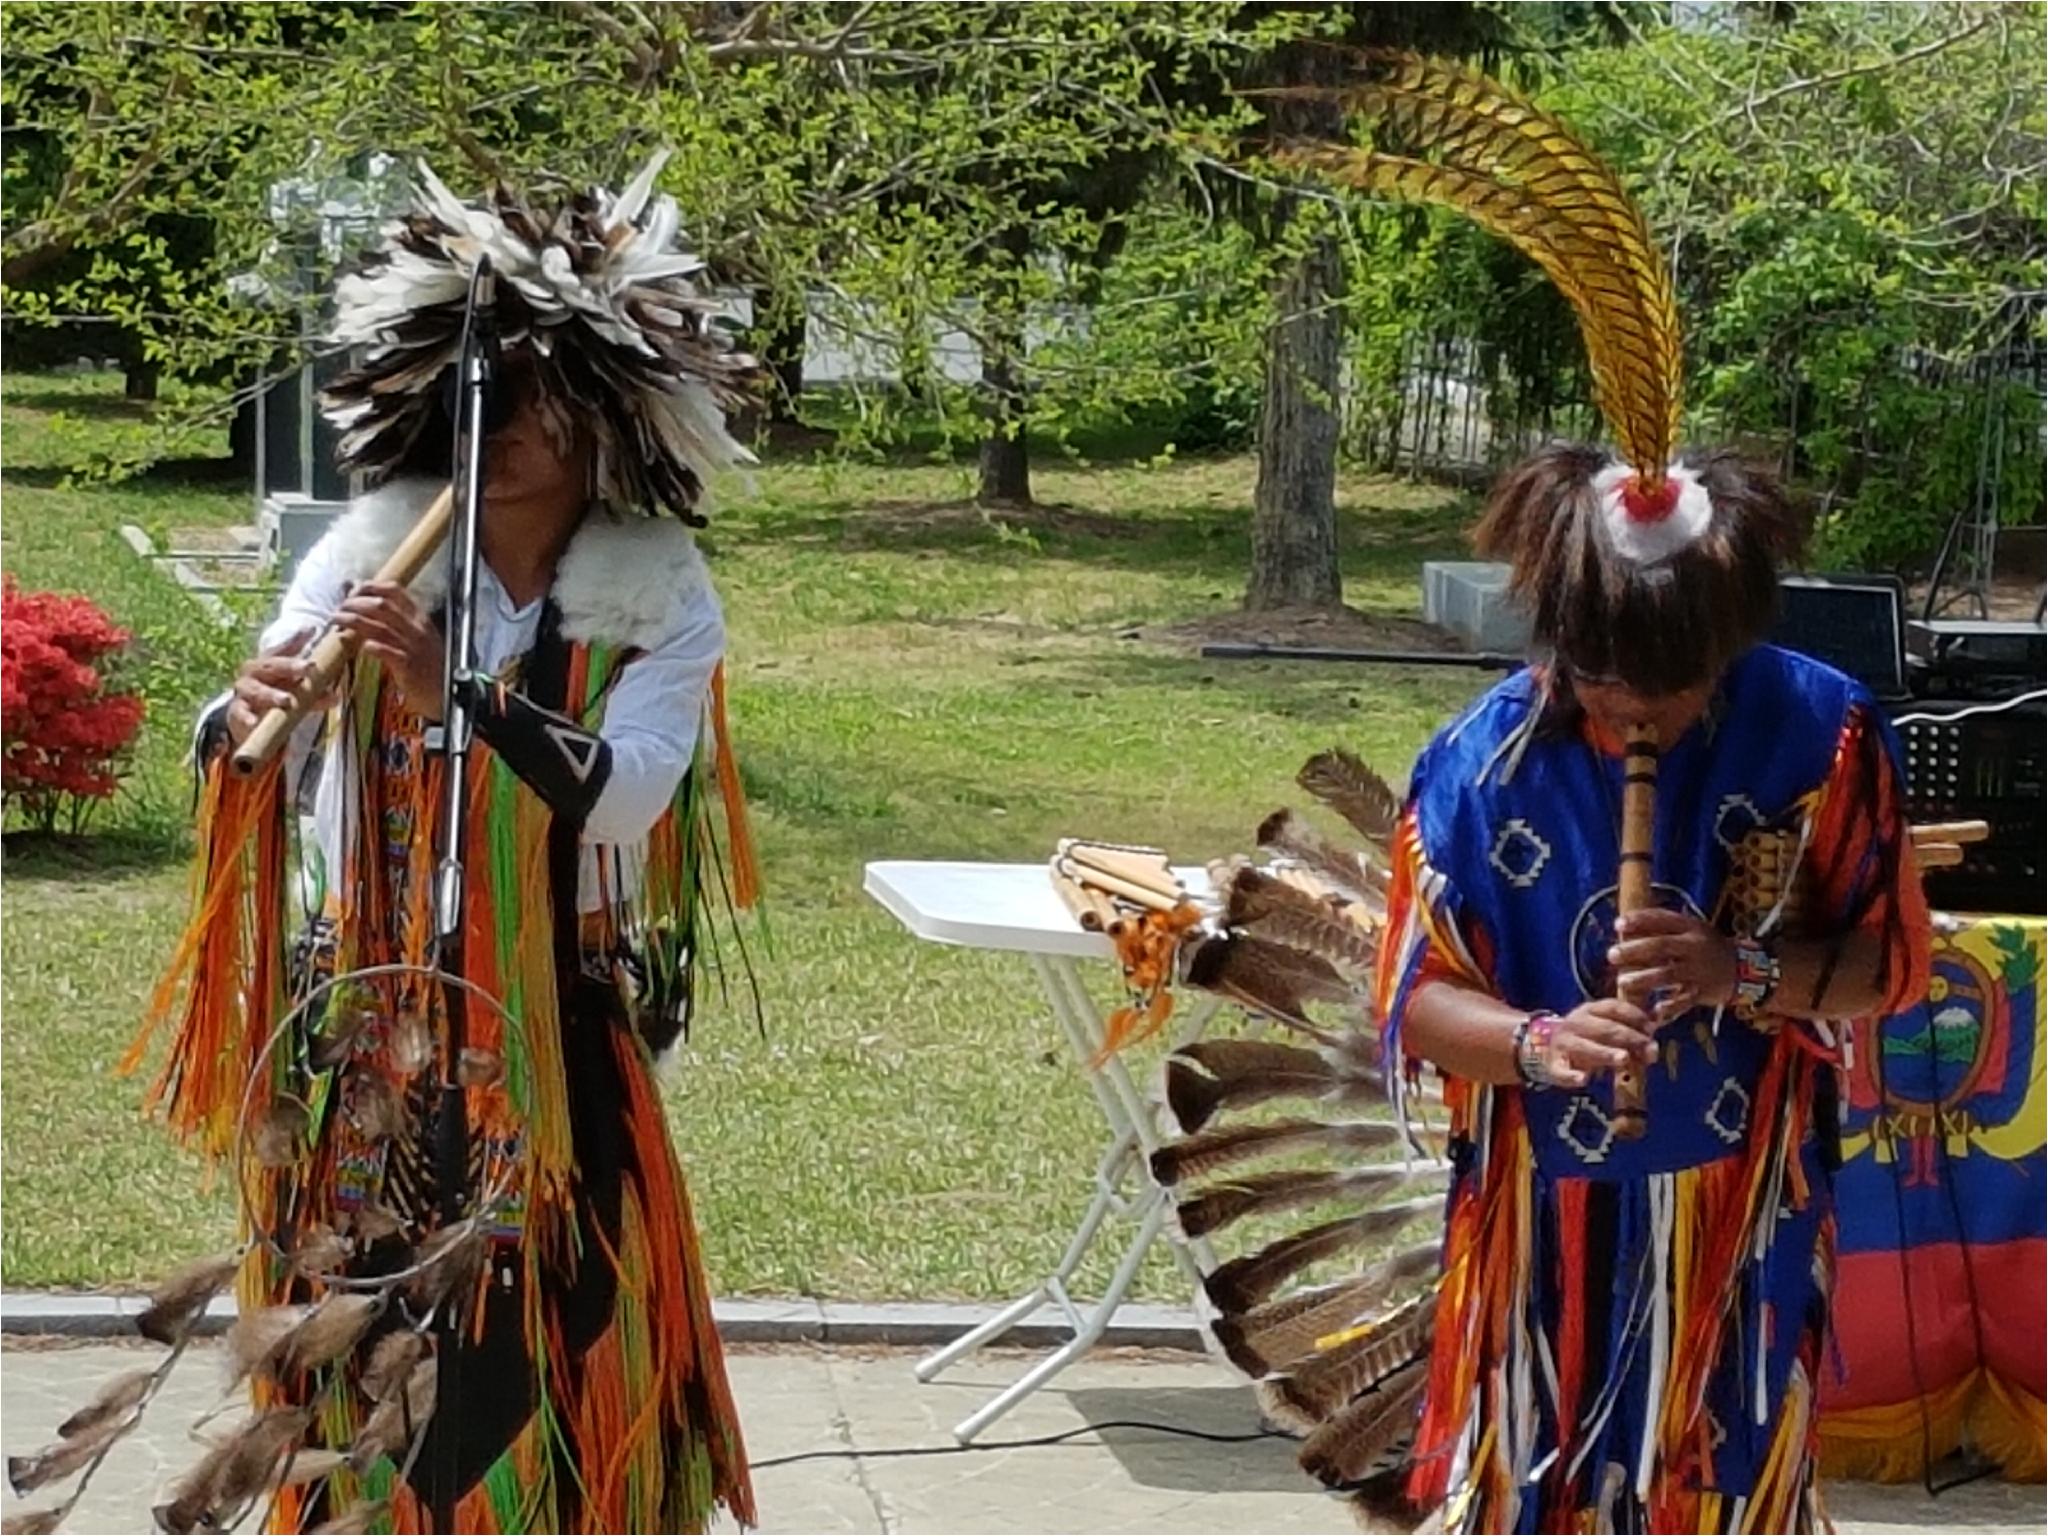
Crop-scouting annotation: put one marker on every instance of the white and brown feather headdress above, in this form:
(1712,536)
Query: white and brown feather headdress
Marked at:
(597,306)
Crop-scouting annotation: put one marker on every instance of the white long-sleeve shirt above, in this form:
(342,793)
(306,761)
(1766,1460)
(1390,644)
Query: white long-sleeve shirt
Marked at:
(651,715)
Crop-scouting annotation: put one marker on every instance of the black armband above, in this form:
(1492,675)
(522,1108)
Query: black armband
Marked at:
(560,761)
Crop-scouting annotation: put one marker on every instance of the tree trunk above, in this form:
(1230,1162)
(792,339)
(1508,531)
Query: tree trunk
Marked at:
(140,378)
(782,353)
(1005,445)
(1294,516)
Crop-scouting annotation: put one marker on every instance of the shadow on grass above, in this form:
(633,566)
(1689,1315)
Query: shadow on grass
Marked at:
(33,854)
(72,402)
(1198,542)
(163,475)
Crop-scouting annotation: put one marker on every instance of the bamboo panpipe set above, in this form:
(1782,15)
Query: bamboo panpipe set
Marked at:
(1099,881)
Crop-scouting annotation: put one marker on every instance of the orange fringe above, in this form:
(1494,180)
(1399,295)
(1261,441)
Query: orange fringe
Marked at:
(1890,1442)
(679,1296)
(1146,949)
(229,960)
(746,868)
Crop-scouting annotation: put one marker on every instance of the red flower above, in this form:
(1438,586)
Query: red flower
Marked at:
(63,730)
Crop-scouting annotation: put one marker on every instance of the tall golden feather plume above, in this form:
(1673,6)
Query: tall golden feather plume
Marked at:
(1521,174)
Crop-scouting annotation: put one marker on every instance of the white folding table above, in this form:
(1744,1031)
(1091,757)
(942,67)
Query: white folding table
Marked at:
(1014,907)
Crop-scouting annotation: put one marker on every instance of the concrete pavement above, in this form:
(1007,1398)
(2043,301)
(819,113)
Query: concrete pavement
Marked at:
(859,1404)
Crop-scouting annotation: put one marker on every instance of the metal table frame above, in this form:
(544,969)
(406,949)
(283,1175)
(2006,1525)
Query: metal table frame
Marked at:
(1127,1161)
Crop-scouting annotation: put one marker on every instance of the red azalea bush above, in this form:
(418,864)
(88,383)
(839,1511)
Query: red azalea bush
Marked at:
(64,732)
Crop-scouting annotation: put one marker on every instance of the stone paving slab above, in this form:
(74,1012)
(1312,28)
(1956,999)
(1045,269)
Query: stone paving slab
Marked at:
(806,1399)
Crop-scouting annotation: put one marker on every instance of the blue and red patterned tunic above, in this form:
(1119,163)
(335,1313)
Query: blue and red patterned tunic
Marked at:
(1628,1333)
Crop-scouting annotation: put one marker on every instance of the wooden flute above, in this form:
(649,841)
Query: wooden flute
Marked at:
(1635,892)
(333,651)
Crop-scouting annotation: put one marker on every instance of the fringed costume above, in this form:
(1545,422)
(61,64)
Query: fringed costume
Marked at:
(1629,1334)
(1613,1334)
(583,1388)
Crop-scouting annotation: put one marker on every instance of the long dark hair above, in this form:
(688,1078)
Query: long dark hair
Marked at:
(1660,628)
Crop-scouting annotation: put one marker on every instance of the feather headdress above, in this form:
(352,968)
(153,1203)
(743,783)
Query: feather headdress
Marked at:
(596,309)
(1647,565)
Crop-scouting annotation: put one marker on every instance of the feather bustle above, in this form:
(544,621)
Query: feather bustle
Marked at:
(1207,1151)
(1341,780)
(1366,1432)
(1242,1283)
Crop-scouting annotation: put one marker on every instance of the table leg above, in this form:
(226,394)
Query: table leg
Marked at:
(1133,1123)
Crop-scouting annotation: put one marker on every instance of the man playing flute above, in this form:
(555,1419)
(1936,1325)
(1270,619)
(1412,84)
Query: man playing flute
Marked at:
(586,1390)
(1633,1308)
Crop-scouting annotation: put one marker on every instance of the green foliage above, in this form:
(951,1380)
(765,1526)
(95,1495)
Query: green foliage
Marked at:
(1853,198)
(1852,194)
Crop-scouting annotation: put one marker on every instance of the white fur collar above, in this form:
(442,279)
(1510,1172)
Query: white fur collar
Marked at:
(627,581)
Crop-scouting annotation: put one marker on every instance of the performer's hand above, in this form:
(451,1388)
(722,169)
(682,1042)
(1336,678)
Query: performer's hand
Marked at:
(392,629)
(1595,1037)
(268,681)
(1674,953)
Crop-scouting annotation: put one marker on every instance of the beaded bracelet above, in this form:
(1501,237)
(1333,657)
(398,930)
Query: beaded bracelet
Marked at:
(1757,974)
(1532,1046)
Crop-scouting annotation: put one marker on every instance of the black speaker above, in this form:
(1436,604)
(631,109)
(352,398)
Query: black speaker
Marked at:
(1976,762)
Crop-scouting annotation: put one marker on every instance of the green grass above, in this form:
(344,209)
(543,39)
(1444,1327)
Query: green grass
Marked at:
(910,679)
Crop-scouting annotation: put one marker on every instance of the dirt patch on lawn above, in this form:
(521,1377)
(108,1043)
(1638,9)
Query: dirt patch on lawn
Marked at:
(1338,628)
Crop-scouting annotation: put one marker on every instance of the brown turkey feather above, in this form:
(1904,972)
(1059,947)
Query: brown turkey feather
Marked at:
(1274,1338)
(117,1397)
(1208,1075)
(1342,782)
(1321,1385)
(1275,982)
(1271,1337)
(1237,959)
(1364,1433)
(329,1331)
(1214,1208)
(1352,950)
(177,1304)
(1207,1151)
(1243,1283)
(33,1522)
(1252,894)
(1355,875)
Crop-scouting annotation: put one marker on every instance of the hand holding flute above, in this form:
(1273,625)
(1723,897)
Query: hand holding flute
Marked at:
(1635,891)
(287,686)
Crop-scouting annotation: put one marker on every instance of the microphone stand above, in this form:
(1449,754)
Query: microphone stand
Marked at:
(452,740)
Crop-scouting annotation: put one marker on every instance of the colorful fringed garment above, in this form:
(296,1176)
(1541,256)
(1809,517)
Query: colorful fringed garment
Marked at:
(589,1392)
(1629,1333)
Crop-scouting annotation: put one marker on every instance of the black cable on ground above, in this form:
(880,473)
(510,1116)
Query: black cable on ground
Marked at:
(849,1453)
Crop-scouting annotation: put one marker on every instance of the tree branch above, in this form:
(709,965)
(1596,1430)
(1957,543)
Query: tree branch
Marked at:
(1750,105)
